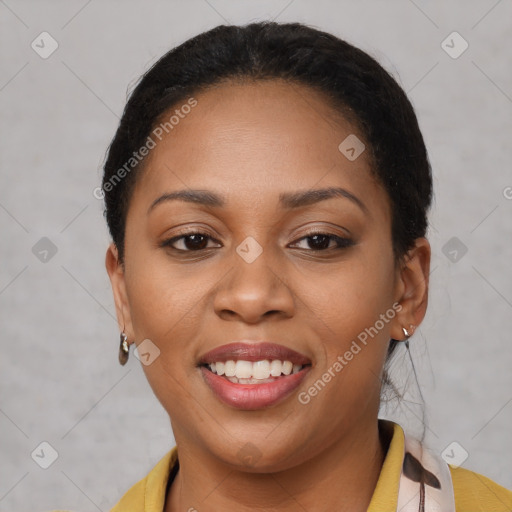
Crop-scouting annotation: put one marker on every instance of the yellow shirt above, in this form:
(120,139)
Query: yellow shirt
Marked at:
(473,492)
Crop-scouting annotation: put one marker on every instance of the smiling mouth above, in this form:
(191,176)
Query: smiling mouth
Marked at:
(258,372)
(253,375)
(252,389)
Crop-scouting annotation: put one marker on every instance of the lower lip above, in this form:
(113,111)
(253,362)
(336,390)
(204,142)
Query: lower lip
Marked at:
(253,396)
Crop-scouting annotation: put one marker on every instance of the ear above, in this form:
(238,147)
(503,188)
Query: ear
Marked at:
(116,274)
(412,289)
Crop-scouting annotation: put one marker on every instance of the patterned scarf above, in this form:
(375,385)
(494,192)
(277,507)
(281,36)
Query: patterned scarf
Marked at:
(425,481)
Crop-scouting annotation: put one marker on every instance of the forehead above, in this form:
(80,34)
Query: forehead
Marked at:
(255,140)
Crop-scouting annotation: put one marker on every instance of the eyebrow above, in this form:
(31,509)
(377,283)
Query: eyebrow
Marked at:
(288,200)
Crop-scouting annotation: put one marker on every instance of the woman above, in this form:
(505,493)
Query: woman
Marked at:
(267,193)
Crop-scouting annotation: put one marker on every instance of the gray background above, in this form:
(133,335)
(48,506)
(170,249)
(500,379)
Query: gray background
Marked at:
(60,380)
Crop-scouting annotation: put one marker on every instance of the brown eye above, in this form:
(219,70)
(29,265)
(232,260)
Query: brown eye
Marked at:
(323,241)
(189,242)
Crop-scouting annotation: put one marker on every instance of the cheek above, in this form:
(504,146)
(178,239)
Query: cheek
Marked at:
(353,308)
(163,298)
(353,315)
(352,297)
(170,306)
(165,308)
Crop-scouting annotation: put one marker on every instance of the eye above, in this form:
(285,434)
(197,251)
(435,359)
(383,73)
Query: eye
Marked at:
(190,242)
(318,241)
(198,241)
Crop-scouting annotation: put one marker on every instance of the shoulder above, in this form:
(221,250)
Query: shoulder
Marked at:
(475,492)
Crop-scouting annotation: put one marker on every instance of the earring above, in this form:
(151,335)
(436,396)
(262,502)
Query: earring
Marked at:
(124,349)
(408,334)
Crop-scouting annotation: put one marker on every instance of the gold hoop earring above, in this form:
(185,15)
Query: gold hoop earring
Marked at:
(124,349)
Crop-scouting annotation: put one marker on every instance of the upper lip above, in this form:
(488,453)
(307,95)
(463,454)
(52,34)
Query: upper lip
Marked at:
(253,351)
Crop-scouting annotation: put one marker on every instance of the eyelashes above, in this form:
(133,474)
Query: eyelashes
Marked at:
(320,239)
(197,238)
(197,241)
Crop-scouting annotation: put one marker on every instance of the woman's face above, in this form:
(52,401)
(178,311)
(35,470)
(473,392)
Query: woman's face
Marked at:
(256,272)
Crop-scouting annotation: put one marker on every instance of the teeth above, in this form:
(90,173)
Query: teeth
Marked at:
(260,370)
(229,368)
(234,380)
(287,367)
(244,372)
(276,368)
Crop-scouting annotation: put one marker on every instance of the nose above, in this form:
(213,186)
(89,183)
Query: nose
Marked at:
(253,292)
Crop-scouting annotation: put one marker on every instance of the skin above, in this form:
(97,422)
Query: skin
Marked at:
(250,142)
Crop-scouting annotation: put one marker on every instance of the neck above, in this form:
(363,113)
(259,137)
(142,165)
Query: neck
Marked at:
(342,477)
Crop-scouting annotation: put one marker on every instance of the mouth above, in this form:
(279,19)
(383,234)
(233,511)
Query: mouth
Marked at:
(255,375)
(258,372)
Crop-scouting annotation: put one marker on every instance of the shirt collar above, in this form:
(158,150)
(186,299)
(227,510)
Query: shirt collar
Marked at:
(149,493)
